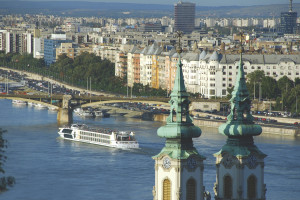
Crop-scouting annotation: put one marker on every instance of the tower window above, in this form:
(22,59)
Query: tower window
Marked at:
(191,190)
(167,190)
(251,187)
(227,187)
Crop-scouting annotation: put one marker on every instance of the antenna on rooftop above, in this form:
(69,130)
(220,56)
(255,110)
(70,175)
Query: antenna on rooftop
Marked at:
(291,6)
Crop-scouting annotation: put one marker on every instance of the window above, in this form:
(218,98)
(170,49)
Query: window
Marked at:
(166,189)
(251,187)
(223,92)
(224,73)
(191,189)
(227,187)
(230,67)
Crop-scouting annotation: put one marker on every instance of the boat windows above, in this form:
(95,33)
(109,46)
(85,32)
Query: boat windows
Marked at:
(67,130)
(68,136)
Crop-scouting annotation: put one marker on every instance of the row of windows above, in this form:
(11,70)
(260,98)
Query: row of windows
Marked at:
(251,187)
(99,135)
(190,189)
(258,67)
(94,139)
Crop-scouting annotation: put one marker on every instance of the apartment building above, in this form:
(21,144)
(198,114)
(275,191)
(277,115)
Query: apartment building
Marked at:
(207,73)
(67,49)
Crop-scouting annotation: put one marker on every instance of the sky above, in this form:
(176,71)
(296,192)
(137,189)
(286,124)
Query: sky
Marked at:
(198,2)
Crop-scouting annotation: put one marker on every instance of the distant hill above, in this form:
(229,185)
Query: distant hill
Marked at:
(115,10)
(247,11)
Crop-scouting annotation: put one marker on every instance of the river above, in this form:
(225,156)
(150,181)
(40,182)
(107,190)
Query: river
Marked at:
(49,168)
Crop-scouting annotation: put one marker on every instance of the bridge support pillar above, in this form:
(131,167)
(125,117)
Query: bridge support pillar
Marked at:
(64,116)
(65,113)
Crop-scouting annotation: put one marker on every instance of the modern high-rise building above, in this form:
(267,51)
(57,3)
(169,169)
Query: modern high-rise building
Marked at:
(16,41)
(184,14)
(288,21)
(50,46)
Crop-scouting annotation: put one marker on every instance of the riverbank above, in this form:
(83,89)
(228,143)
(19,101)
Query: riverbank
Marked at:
(290,131)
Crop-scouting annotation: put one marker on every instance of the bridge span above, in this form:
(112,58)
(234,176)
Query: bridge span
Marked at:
(65,104)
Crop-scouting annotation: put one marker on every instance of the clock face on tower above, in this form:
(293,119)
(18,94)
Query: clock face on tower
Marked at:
(166,163)
(192,163)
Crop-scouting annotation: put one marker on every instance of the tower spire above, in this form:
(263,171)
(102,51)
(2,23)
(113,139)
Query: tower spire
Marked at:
(179,166)
(240,163)
(240,107)
(291,6)
(179,122)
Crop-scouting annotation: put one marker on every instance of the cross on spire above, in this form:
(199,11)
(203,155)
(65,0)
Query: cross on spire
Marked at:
(179,36)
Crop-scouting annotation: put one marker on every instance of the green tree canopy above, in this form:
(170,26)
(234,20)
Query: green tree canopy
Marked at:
(255,76)
(297,81)
(9,181)
(269,88)
(285,84)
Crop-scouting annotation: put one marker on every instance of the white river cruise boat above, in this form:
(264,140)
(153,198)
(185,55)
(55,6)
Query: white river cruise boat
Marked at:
(104,137)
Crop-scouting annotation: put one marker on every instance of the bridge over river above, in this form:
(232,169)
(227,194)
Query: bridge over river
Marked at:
(65,104)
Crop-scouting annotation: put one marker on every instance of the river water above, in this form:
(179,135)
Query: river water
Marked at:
(49,168)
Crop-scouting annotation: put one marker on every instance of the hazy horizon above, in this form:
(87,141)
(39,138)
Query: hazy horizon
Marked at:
(171,2)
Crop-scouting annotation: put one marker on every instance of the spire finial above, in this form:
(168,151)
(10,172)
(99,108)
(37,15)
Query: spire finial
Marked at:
(241,42)
(178,48)
(291,6)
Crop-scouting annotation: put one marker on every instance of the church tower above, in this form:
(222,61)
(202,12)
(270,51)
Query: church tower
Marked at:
(179,166)
(240,164)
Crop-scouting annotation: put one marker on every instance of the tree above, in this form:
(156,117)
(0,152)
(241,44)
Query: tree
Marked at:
(9,181)
(292,100)
(297,81)
(269,87)
(285,84)
(253,79)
